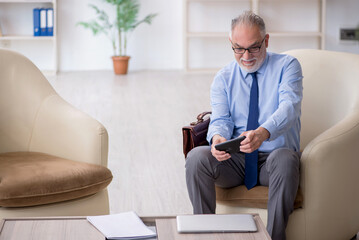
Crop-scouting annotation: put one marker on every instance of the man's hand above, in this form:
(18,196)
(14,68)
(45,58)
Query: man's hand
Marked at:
(219,155)
(254,139)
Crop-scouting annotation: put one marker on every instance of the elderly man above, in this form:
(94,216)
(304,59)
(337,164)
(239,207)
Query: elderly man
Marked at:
(258,96)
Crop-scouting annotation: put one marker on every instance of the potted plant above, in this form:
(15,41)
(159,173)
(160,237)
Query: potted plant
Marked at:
(118,30)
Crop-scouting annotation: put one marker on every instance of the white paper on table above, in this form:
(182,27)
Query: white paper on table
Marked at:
(125,225)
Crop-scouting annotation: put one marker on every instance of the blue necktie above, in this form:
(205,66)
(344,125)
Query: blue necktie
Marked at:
(251,159)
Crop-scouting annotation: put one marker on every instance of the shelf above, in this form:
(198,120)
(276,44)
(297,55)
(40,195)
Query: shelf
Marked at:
(27,1)
(207,34)
(271,34)
(27,38)
(295,34)
(204,28)
(217,0)
(17,30)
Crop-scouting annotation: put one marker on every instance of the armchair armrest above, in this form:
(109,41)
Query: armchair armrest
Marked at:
(62,130)
(329,180)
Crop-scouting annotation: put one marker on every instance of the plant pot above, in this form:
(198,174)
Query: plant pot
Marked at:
(120,64)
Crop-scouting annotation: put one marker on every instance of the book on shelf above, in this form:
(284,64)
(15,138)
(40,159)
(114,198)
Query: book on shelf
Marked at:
(43,19)
(125,225)
(43,22)
(50,21)
(36,16)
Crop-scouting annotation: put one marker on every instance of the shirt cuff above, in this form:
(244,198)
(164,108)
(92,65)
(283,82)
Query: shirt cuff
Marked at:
(211,133)
(271,129)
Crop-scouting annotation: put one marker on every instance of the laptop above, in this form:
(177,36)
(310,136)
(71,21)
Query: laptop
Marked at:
(209,223)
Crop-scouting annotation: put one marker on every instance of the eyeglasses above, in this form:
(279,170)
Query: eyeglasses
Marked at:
(250,50)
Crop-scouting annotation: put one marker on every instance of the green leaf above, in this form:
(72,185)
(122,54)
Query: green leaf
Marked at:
(125,21)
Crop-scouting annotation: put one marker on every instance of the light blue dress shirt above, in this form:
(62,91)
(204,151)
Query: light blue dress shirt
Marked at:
(280,93)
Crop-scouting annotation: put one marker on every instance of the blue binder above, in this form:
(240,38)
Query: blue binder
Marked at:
(43,22)
(50,21)
(36,16)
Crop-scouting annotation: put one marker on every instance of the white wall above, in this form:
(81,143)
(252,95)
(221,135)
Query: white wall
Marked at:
(155,46)
(341,14)
(160,45)
(279,15)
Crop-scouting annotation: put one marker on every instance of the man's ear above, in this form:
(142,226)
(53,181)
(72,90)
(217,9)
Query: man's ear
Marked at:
(266,40)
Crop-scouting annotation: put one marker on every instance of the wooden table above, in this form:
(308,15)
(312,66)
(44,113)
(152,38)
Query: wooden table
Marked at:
(54,228)
(78,228)
(167,230)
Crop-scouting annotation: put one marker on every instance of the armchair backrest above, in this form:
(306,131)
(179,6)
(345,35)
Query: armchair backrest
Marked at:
(331,89)
(23,88)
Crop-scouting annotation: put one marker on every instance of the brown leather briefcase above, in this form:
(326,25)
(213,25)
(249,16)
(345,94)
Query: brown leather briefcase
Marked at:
(195,134)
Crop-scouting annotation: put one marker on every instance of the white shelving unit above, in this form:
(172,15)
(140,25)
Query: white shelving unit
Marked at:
(16,22)
(207,23)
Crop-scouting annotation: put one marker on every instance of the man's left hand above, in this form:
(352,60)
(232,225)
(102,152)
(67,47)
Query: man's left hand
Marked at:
(254,139)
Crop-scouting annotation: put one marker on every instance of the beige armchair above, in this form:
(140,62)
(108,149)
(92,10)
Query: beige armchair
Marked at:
(43,138)
(330,159)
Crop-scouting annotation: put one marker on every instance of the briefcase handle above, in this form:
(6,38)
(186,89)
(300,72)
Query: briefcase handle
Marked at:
(200,118)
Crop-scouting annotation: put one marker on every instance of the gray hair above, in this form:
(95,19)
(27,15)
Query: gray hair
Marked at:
(250,19)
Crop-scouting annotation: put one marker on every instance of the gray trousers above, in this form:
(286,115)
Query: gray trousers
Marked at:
(279,170)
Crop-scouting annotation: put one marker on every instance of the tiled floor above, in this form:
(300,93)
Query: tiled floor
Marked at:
(143,113)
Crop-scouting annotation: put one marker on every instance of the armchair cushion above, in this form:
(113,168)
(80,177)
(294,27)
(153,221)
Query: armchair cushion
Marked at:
(257,197)
(31,178)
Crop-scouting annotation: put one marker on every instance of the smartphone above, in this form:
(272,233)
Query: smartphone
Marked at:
(230,146)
